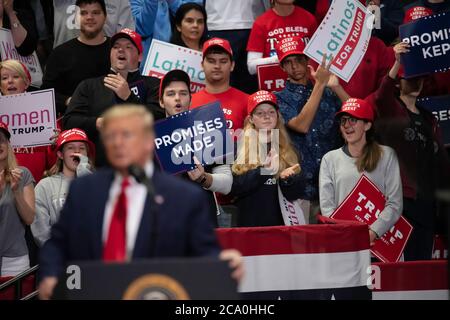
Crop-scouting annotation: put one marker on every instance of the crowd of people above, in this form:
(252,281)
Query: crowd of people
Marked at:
(328,132)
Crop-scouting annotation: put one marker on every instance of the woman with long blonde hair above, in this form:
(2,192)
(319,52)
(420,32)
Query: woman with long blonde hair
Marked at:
(266,168)
(16,209)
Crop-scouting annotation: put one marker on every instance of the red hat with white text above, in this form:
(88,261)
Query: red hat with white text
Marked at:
(289,46)
(131,35)
(73,135)
(357,108)
(259,97)
(217,42)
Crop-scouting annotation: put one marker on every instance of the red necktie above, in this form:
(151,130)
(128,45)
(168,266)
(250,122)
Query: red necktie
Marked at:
(116,244)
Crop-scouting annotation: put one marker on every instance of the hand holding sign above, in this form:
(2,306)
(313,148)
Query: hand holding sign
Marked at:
(400,48)
(372,237)
(322,74)
(198,174)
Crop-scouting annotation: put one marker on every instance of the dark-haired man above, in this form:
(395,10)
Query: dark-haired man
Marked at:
(84,57)
(123,83)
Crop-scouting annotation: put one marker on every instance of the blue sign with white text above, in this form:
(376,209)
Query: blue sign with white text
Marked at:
(429,40)
(440,107)
(200,132)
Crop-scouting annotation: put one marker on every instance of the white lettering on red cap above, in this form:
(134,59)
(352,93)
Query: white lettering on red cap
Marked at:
(216,41)
(262,97)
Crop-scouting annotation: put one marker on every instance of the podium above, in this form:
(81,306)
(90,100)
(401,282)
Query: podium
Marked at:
(157,279)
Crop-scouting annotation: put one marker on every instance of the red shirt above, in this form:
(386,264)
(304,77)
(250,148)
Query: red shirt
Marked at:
(374,66)
(233,102)
(270,28)
(35,159)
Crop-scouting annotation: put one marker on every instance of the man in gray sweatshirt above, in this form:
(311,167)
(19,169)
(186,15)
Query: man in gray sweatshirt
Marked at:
(66,26)
(73,151)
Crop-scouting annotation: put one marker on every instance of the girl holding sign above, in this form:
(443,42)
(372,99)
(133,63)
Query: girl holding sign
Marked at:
(266,176)
(16,209)
(414,133)
(15,79)
(341,169)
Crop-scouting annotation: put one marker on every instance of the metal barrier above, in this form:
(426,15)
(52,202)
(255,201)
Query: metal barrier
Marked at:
(16,282)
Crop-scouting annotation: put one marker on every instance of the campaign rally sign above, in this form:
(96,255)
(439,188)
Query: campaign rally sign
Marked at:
(271,77)
(440,107)
(429,40)
(364,204)
(30,117)
(8,51)
(163,57)
(200,132)
(344,34)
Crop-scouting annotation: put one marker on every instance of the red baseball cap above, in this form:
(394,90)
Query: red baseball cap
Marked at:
(259,97)
(4,128)
(217,42)
(72,135)
(416,12)
(129,34)
(289,46)
(357,108)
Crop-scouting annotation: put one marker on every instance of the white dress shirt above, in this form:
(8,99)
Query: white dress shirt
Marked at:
(136,194)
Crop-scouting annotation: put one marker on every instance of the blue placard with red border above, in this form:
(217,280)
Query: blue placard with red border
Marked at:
(201,132)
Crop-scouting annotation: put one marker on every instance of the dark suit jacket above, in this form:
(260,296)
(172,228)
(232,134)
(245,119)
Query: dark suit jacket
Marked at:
(184,227)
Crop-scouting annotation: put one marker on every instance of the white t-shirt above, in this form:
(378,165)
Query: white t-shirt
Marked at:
(234,14)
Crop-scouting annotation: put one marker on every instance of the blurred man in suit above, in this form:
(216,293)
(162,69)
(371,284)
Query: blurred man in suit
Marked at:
(108,215)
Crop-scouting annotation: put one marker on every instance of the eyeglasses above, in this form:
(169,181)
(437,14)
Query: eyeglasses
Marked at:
(351,121)
(263,114)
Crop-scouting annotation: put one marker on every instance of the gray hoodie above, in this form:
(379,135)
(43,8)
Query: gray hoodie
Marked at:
(66,28)
(50,195)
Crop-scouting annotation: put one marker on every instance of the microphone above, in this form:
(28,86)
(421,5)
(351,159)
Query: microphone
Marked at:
(139,174)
